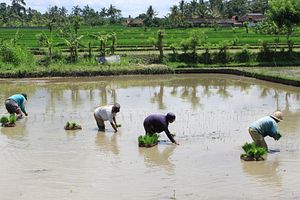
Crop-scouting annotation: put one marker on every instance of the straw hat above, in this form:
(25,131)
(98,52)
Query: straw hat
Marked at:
(277,115)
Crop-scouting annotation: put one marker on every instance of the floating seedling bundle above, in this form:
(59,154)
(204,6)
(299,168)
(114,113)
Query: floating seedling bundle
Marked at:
(253,152)
(8,121)
(72,126)
(148,140)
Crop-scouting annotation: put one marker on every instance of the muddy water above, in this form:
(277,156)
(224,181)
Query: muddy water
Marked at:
(40,160)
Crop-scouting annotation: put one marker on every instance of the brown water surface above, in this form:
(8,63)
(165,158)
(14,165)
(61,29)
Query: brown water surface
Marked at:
(40,160)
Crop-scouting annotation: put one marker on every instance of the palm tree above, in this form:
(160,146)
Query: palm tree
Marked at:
(18,6)
(113,13)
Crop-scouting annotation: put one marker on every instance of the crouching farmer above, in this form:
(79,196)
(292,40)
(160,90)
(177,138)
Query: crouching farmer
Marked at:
(266,126)
(107,113)
(15,104)
(157,123)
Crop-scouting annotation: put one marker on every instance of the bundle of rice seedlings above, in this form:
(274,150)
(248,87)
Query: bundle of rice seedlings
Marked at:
(253,152)
(148,140)
(72,126)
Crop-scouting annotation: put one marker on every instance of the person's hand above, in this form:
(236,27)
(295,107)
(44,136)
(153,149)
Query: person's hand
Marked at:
(277,136)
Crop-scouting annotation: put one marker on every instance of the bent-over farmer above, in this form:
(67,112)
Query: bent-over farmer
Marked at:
(266,126)
(157,123)
(107,113)
(15,104)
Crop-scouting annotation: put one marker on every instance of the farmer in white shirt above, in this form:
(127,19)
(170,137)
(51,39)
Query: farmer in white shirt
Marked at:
(107,113)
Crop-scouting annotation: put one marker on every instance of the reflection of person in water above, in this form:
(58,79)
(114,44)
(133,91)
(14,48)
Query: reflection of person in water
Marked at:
(107,143)
(263,171)
(157,123)
(153,156)
(266,126)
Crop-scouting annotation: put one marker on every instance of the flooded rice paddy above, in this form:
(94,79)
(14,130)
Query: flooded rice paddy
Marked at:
(40,160)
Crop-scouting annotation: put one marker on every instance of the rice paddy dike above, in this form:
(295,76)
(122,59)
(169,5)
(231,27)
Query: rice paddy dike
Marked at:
(284,75)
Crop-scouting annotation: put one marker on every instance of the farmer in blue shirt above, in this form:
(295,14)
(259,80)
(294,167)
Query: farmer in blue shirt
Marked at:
(157,123)
(15,104)
(266,126)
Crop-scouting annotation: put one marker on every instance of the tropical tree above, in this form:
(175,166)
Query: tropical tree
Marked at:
(46,41)
(72,41)
(150,14)
(75,18)
(113,13)
(160,36)
(246,25)
(113,38)
(258,6)
(285,14)
(236,8)
(18,7)
(102,38)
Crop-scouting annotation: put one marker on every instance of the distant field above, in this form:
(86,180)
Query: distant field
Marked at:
(132,37)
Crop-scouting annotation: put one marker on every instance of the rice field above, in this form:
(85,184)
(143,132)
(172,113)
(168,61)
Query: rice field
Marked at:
(135,37)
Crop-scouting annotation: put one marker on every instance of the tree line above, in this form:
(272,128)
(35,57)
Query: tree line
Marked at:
(16,14)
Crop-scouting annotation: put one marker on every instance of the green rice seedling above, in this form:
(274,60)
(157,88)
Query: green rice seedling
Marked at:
(12,119)
(253,152)
(72,126)
(148,140)
(3,120)
(8,121)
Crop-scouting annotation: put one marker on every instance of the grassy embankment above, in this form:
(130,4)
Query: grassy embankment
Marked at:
(134,46)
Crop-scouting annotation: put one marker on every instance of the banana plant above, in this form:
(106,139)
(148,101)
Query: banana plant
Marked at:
(72,41)
(46,41)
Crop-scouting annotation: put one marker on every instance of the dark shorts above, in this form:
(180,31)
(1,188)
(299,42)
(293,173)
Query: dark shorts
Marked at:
(149,129)
(12,106)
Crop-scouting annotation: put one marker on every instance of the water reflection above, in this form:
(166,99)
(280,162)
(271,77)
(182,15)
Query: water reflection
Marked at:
(107,143)
(156,157)
(191,89)
(16,133)
(265,172)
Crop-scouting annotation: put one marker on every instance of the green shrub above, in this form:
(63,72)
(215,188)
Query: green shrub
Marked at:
(9,55)
(206,56)
(148,140)
(243,56)
(15,55)
(222,55)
